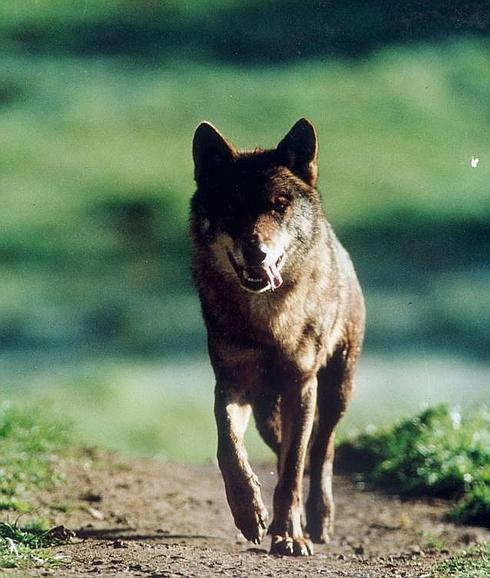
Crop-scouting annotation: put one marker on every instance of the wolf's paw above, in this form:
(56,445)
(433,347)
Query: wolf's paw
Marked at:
(287,546)
(251,520)
(319,526)
(319,533)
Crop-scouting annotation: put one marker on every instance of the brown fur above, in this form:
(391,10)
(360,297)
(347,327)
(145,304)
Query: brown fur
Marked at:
(286,355)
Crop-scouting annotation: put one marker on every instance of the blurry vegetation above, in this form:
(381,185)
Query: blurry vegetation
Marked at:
(139,408)
(32,446)
(234,30)
(474,508)
(96,175)
(98,103)
(437,453)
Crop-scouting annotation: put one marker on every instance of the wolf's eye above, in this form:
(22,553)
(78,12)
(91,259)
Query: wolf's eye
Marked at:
(281,204)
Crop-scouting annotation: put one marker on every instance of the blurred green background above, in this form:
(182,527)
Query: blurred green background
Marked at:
(98,102)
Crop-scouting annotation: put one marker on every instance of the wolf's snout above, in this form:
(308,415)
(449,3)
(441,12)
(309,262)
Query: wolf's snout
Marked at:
(254,254)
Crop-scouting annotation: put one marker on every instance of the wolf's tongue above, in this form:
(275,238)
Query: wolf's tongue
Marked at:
(274,276)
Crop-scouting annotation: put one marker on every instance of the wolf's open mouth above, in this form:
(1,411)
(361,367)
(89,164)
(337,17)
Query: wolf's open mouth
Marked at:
(261,278)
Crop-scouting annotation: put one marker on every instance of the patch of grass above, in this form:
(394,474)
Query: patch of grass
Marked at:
(31,448)
(432,541)
(22,547)
(471,563)
(438,453)
(474,508)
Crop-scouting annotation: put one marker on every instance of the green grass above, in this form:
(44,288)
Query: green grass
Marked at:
(32,446)
(471,563)
(28,546)
(437,453)
(474,508)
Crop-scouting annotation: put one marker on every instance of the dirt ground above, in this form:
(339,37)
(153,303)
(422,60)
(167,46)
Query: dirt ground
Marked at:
(151,519)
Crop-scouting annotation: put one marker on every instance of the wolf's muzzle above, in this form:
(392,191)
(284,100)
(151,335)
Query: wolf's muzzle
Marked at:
(254,254)
(261,277)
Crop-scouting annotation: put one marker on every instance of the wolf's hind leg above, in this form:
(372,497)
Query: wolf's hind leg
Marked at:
(267,414)
(241,484)
(298,402)
(335,385)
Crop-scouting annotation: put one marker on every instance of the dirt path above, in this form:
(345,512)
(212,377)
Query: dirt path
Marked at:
(143,518)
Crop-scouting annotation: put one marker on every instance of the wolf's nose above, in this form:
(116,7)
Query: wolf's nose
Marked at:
(253,253)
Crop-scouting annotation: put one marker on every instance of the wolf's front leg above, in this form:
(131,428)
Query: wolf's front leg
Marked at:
(241,484)
(297,414)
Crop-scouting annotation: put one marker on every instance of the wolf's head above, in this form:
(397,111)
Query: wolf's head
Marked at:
(256,212)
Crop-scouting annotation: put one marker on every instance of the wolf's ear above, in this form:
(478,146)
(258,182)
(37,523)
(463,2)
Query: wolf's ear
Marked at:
(298,150)
(210,150)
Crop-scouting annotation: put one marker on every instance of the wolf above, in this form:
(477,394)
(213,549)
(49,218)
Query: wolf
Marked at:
(285,315)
